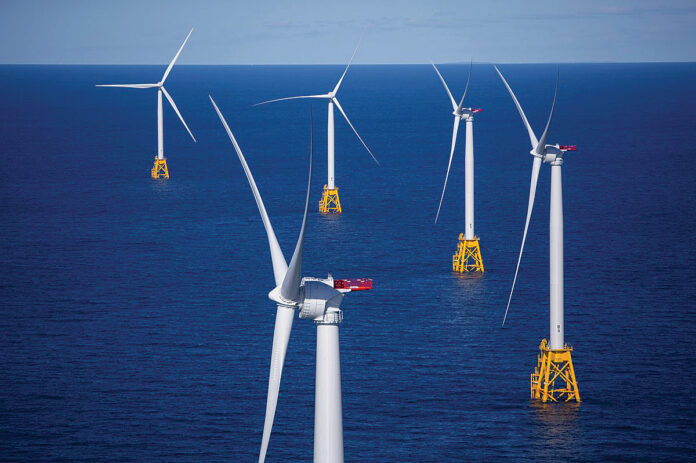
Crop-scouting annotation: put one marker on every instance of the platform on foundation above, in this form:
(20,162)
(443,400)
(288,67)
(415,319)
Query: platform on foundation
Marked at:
(159,169)
(330,204)
(554,366)
(467,258)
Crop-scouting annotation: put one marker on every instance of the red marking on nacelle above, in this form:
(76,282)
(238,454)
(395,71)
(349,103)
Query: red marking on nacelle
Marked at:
(476,110)
(568,147)
(354,284)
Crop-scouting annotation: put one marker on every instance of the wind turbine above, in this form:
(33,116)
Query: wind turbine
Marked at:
(159,169)
(468,255)
(317,299)
(554,361)
(330,203)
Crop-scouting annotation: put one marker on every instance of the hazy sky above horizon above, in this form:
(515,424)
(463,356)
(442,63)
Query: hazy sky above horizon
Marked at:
(325,32)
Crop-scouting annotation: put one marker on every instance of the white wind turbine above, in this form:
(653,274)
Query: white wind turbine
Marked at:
(555,360)
(159,169)
(468,257)
(317,299)
(330,201)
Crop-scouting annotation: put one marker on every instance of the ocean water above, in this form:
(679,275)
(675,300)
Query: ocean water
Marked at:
(134,318)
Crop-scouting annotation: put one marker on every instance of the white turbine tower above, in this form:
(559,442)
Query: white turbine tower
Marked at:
(159,169)
(330,202)
(317,299)
(555,361)
(468,255)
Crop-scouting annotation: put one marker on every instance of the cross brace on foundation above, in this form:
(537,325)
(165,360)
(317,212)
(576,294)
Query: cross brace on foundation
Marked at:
(329,201)
(467,258)
(554,366)
(159,169)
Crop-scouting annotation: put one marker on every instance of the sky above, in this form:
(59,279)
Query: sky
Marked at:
(326,31)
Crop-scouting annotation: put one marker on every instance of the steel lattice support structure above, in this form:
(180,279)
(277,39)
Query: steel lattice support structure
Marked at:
(553,366)
(467,258)
(329,202)
(159,169)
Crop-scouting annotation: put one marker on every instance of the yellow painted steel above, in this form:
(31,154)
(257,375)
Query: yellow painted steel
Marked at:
(159,169)
(552,366)
(329,202)
(468,256)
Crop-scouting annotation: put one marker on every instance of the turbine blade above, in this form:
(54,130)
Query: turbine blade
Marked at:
(281,336)
(466,89)
(292,98)
(280,266)
(338,105)
(532,137)
(454,103)
(291,283)
(454,141)
(129,85)
(176,110)
(169,68)
(542,141)
(532,192)
(335,90)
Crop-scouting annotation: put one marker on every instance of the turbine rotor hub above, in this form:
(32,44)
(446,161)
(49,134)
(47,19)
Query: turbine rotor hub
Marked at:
(278,298)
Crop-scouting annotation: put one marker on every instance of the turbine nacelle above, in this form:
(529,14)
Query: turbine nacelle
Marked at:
(553,154)
(465,113)
(320,298)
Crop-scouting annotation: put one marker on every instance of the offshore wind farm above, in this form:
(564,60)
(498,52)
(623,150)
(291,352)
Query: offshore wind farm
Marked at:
(163,347)
(152,318)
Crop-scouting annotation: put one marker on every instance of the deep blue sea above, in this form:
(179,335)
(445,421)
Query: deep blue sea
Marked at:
(134,319)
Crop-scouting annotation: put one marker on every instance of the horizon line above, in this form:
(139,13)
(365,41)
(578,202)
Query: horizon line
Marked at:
(353,64)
